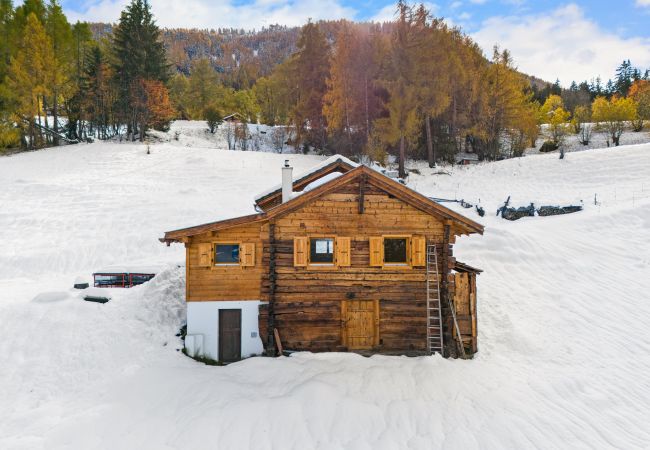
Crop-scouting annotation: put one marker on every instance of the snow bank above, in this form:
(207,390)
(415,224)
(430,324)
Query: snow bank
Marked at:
(563,311)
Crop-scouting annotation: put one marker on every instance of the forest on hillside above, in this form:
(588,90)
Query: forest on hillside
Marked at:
(414,87)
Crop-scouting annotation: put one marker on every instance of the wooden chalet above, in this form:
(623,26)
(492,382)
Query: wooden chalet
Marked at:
(342,258)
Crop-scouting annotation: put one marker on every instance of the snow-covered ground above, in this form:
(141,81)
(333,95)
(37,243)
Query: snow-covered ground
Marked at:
(195,133)
(599,139)
(563,310)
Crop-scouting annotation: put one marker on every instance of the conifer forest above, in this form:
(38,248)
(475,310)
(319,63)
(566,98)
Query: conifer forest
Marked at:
(414,87)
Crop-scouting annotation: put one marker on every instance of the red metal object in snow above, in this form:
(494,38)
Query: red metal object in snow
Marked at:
(120,279)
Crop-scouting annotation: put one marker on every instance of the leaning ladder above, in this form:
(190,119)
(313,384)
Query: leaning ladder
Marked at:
(434,307)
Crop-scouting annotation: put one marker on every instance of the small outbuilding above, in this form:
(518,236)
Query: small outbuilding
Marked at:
(234,118)
(465,159)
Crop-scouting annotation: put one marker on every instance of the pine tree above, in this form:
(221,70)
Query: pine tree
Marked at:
(6,18)
(60,33)
(349,98)
(433,72)
(36,7)
(507,104)
(138,55)
(203,89)
(27,79)
(402,124)
(623,82)
(97,90)
(178,94)
(80,49)
(309,69)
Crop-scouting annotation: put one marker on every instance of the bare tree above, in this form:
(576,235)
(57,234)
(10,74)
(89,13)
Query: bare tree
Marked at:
(241,135)
(278,138)
(229,130)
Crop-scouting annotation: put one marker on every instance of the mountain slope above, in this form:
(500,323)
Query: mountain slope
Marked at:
(563,310)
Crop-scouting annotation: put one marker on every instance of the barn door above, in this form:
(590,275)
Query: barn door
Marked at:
(229,335)
(360,324)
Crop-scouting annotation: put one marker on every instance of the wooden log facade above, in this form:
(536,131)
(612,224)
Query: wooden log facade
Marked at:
(359,301)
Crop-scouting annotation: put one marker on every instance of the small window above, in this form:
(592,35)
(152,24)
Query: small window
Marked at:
(226,254)
(321,251)
(395,251)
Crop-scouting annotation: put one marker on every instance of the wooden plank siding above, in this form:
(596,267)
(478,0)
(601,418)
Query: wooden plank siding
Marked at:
(225,282)
(465,303)
(308,300)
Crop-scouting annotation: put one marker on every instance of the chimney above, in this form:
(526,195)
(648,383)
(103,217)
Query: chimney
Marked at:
(287,181)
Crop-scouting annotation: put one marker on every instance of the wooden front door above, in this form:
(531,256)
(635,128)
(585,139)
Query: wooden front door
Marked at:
(360,324)
(229,335)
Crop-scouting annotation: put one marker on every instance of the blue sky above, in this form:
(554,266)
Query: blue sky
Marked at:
(569,40)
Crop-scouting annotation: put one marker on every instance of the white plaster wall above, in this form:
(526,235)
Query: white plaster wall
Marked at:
(203,319)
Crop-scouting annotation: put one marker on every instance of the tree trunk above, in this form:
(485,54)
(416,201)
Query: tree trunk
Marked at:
(55,117)
(402,157)
(431,156)
(48,138)
(40,130)
(367,110)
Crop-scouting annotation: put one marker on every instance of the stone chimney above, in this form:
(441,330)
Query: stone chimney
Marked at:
(287,181)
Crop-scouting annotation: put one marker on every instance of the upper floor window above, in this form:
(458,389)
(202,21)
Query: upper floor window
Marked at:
(226,254)
(321,251)
(395,250)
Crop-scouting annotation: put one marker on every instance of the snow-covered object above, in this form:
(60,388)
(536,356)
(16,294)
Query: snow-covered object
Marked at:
(96,293)
(562,307)
(51,297)
(81,283)
(322,180)
(117,269)
(315,168)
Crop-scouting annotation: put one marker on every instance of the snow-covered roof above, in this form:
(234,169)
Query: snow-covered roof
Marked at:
(94,292)
(230,116)
(322,180)
(468,156)
(331,160)
(129,269)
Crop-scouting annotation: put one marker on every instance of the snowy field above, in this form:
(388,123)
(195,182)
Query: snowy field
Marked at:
(599,139)
(564,304)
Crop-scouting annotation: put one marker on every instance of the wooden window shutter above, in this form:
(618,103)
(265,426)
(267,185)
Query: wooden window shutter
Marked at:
(300,249)
(206,254)
(418,251)
(376,251)
(343,251)
(247,254)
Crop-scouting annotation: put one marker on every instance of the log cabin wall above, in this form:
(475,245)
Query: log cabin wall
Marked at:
(209,282)
(464,295)
(308,301)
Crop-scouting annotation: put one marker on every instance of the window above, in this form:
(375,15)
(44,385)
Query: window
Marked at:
(110,280)
(321,251)
(226,254)
(395,250)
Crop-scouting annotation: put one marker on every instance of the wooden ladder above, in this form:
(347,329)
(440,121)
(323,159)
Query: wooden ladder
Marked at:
(434,308)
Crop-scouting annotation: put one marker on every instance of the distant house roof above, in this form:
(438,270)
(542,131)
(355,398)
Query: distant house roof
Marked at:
(464,156)
(462,224)
(233,116)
